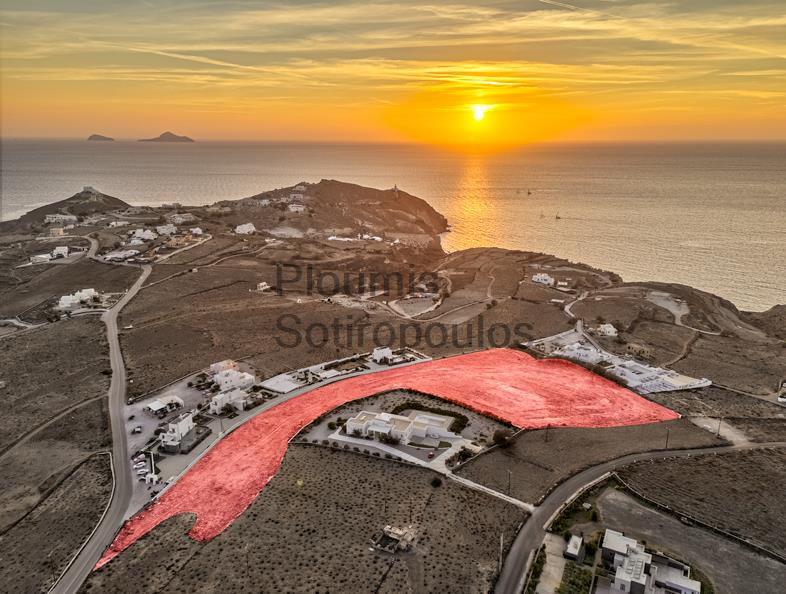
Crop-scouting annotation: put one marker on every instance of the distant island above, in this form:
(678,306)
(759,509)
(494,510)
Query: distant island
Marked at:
(167,137)
(100,138)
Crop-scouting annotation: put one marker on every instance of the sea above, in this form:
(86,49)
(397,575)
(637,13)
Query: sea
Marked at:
(712,216)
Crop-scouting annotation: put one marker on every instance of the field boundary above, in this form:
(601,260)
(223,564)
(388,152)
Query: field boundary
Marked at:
(97,524)
(674,512)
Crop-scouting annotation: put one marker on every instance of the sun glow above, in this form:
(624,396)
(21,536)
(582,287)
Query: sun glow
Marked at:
(479,111)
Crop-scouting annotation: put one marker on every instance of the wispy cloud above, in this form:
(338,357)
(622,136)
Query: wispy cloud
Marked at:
(602,53)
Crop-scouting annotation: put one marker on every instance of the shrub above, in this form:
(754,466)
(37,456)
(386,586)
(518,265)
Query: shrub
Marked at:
(436,482)
(502,437)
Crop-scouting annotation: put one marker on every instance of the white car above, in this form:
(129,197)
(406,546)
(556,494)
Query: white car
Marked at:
(142,472)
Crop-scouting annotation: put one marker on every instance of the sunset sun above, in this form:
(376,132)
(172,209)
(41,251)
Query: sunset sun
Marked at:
(479,111)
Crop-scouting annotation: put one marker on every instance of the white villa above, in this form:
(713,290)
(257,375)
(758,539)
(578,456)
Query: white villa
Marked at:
(231,379)
(180,218)
(245,229)
(381,355)
(195,231)
(176,431)
(236,398)
(144,234)
(60,218)
(543,279)
(168,229)
(636,571)
(418,426)
(83,295)
(40,258)
(606,330)
(120,255)
(298,208)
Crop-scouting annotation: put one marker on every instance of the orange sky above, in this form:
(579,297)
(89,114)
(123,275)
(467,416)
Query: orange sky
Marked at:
(364,71)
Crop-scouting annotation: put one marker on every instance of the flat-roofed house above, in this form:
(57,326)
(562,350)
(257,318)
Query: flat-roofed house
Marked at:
(223,366)
(543,278)
(177,429)
(231,379)
(236,398)
(417,426)
(245,229)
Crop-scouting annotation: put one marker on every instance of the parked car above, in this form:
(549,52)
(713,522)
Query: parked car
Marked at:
(137,429)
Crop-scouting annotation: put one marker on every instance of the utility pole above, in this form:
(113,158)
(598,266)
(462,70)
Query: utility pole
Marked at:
(509,482)
(668,429)
(720,421)
(547,432)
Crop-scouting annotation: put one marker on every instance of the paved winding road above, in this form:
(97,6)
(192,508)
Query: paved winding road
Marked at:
(531,535)
(80,567)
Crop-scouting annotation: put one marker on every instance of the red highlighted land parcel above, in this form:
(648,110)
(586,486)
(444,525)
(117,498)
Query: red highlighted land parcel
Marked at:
(502,383)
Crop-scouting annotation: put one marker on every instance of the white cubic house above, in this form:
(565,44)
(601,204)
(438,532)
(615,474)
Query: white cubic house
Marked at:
(144,234)
(60,251)
(231,379)
(245,229)
(636,571)
(236,398)
(543,279)
(76,299)
(606,330)
(177,429)
(60,218)
(168,229)
(417,427)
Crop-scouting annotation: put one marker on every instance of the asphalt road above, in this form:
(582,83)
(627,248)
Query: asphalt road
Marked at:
(102,537)
(531,535)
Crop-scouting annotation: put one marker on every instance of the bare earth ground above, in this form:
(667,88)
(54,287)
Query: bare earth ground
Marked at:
(714,401)
(759,420)
(37,549)
(756,367)
(537,465)
(49,369)
(732,567)
(309,531)
(216,316)
(33,469)
(739,492)
(666,341)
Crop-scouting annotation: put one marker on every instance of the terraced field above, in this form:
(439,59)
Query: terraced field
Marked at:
(739,492)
